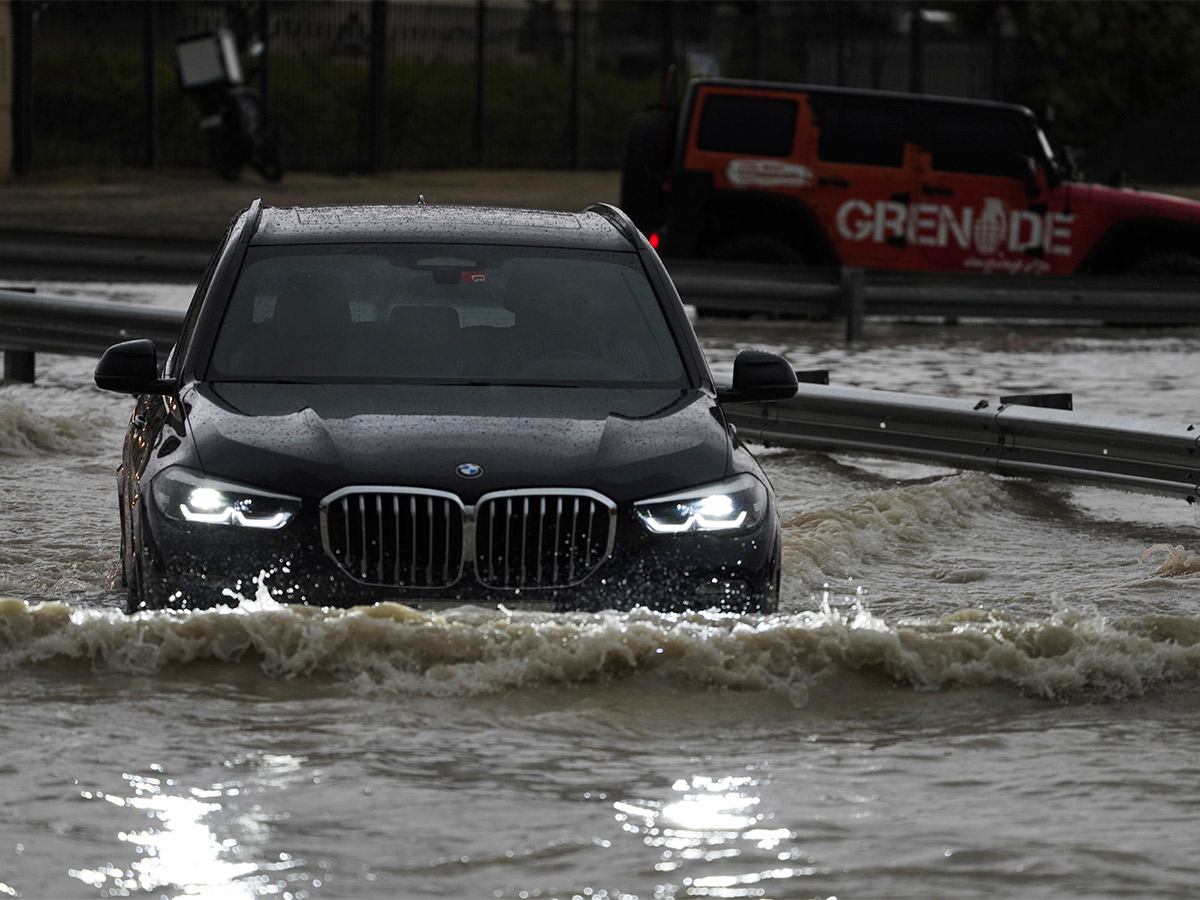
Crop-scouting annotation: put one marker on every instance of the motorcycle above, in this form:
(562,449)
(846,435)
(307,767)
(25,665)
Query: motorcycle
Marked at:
(233,116)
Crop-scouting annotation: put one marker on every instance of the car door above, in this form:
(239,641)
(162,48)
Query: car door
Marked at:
(982,202)
(862,178)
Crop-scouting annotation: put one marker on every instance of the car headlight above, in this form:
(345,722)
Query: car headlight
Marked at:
(738,504)
(190,496)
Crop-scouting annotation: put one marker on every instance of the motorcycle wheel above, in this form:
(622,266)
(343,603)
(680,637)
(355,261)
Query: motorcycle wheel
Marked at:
(226,154)
(266,162)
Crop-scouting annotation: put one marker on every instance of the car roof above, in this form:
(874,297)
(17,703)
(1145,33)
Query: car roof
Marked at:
(422,223)
(821,90)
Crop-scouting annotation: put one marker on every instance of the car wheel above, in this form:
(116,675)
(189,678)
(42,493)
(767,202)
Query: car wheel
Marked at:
(752,248)
(264,148)
(134,600)
(268,165)
(145,588)
(124,561)
(1167,264)
(758,248)
(767,600)
(227,157)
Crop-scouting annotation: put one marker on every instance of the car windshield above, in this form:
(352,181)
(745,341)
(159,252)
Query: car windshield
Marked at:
(445,314)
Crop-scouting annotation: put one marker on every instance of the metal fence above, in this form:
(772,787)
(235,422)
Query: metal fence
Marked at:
(366,85)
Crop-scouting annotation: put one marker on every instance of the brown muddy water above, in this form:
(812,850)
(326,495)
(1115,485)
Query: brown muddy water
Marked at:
(975,687)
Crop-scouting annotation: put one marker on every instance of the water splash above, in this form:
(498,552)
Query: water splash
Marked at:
(900,521)
(392,648)
(1177,562)
(24,432)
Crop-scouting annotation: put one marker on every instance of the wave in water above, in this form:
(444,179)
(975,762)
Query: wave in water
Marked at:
(393,648)
(24,432)
(899,521)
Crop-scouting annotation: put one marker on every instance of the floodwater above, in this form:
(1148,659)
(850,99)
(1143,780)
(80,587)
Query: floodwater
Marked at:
(975,687)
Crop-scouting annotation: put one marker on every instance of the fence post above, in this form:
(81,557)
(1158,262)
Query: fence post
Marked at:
(149,85)
(264,64)
(916,49)
(573,119)
(853,302)
(378,125)
(22,80)
(19,366)
(481,83)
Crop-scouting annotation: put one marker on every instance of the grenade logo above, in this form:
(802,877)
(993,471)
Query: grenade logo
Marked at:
(990,226)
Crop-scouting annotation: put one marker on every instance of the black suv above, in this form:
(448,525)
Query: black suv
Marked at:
(440,405)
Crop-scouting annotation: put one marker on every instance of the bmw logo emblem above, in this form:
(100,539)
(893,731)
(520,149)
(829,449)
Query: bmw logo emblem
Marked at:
(469,470)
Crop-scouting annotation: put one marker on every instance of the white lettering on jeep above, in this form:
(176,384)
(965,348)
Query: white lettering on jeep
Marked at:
(987,231)
(767,173)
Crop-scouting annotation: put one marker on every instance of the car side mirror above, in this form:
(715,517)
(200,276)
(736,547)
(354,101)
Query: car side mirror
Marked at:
(1027,171)
(759,377)
(132,368)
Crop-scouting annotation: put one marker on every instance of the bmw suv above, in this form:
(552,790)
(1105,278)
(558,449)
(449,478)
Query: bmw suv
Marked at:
(439,406)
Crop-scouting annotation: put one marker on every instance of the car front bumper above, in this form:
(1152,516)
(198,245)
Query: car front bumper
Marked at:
(200,565)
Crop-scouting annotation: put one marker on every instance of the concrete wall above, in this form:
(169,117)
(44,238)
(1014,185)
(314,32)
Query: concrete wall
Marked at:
(6,90)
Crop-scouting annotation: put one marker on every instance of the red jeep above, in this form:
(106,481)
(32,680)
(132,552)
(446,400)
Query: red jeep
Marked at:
(828,176)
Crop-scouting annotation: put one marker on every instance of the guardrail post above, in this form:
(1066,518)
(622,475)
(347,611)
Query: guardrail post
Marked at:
(853,302)
(19,366)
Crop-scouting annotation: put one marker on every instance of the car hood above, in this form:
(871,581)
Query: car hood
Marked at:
(1137,202)
(312,439)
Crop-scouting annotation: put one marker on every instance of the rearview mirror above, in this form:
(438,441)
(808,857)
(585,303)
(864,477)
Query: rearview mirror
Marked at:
(760,377)
(131,368)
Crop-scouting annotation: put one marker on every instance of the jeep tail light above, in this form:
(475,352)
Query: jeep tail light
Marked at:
(654,239)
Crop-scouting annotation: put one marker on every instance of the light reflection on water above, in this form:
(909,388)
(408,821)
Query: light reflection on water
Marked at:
(181,848)
(714,820)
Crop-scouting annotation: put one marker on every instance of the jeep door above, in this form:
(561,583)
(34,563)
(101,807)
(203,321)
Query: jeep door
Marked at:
(739,179)
(862,178)
(982,203)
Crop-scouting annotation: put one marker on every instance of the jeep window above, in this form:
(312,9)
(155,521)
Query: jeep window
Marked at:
(862,134)
(754,126)
(977,144)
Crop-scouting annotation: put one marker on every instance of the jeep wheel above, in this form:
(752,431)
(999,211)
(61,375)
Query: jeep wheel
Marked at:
(759,249)
(1167,264)
(753,248)
(645,169)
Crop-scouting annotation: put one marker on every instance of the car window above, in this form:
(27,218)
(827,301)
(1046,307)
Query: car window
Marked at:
(861,133)
(977,144)
(755,126)
(171,368)
(421,313)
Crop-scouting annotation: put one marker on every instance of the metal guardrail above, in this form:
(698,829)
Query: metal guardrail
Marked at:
(1011,436)
(855,295)
(38,255)
(31,323)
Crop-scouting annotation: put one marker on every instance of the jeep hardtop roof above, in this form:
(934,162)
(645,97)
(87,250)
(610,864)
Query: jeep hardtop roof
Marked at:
(857,93)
